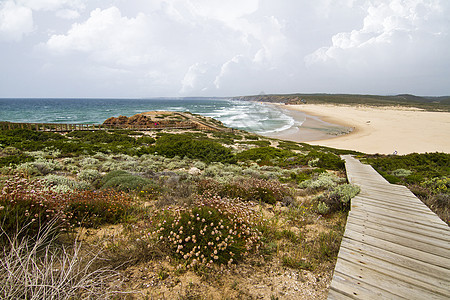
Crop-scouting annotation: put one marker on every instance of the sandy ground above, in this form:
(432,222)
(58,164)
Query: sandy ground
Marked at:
(375,130)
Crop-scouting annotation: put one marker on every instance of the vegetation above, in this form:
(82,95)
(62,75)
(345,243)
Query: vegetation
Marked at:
(183,145)
(428,103)
(171,202)
(426,175)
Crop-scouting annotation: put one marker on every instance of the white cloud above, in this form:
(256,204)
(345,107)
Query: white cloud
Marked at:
(393,32)
(68,14)
(199,78)
(217,47)
(52,5)
(15,21)
(108,37)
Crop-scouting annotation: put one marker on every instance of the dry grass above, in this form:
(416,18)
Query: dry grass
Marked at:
(38,269)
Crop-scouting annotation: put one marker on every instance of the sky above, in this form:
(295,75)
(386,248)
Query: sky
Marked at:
(224,48)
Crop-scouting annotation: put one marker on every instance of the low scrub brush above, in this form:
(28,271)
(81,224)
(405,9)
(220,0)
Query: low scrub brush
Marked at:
(214,231)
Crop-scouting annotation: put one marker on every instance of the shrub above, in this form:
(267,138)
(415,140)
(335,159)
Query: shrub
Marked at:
(10,151)
(248,189)
(13,160)
(438,185)
(215,231)
(123,181)
(113,174)
(59,183)
(100,136)
(321,182)
(200,165)
(95,208)
(181,145)
(88,175)
(325,160)
(337,199)
(428,165)
(29,205)
(401,173)
(322,208)
(286,145)
(89,162)
(263,154)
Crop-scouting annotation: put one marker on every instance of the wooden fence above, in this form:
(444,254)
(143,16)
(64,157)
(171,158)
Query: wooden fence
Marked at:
(60,127)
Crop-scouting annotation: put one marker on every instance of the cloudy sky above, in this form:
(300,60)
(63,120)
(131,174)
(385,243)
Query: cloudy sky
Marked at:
(151,48)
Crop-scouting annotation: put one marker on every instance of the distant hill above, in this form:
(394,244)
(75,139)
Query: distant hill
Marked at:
(407,100)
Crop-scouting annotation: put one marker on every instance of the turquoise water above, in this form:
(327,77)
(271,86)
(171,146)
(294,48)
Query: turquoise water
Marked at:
(249,116)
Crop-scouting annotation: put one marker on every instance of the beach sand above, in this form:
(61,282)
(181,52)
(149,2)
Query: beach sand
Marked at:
(381,130)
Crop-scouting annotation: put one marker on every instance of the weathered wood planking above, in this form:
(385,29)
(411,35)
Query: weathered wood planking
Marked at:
(394,246)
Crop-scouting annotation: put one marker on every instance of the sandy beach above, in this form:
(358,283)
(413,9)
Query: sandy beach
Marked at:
(375,130)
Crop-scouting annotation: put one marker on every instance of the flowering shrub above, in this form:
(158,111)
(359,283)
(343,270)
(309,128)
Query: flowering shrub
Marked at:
(29,205)
(438,185)
(95,208)
(215,231)
(268,191)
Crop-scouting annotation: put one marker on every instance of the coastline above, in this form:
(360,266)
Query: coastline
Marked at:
(383,130)
(310,127)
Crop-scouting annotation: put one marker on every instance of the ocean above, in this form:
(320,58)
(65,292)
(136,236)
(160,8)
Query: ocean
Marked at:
(250,116)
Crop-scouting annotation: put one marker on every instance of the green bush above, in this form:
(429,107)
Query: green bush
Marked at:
(401,173)
(125,182)
(321,181)
(13,160)
(438,185)
(263,154)
(286,145)
(113,174)
(337,199)
(95,208)
(63,184)
(101,136)
(326,160)
(171,145)
(428,165)
(88,175)
(248,189)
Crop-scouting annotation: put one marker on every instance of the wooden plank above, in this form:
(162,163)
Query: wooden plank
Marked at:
(384,281)
(407,275)
(350,286)
(403,225)
(405,205)
(394,247)
(418,243)
(417,210)
(387,214)
(420,209)
(386,190)
(338,295)
(402,233)
(430,270)
(398,214)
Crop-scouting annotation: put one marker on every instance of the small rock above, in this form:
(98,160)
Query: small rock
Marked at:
(194,171)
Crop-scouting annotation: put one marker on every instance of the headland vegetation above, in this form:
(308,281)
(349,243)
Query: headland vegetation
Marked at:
(181,213)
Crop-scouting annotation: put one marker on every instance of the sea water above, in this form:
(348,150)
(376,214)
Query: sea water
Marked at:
(250,116)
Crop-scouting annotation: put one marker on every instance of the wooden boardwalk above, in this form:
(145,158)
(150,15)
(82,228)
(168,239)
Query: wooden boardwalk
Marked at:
(394,246)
